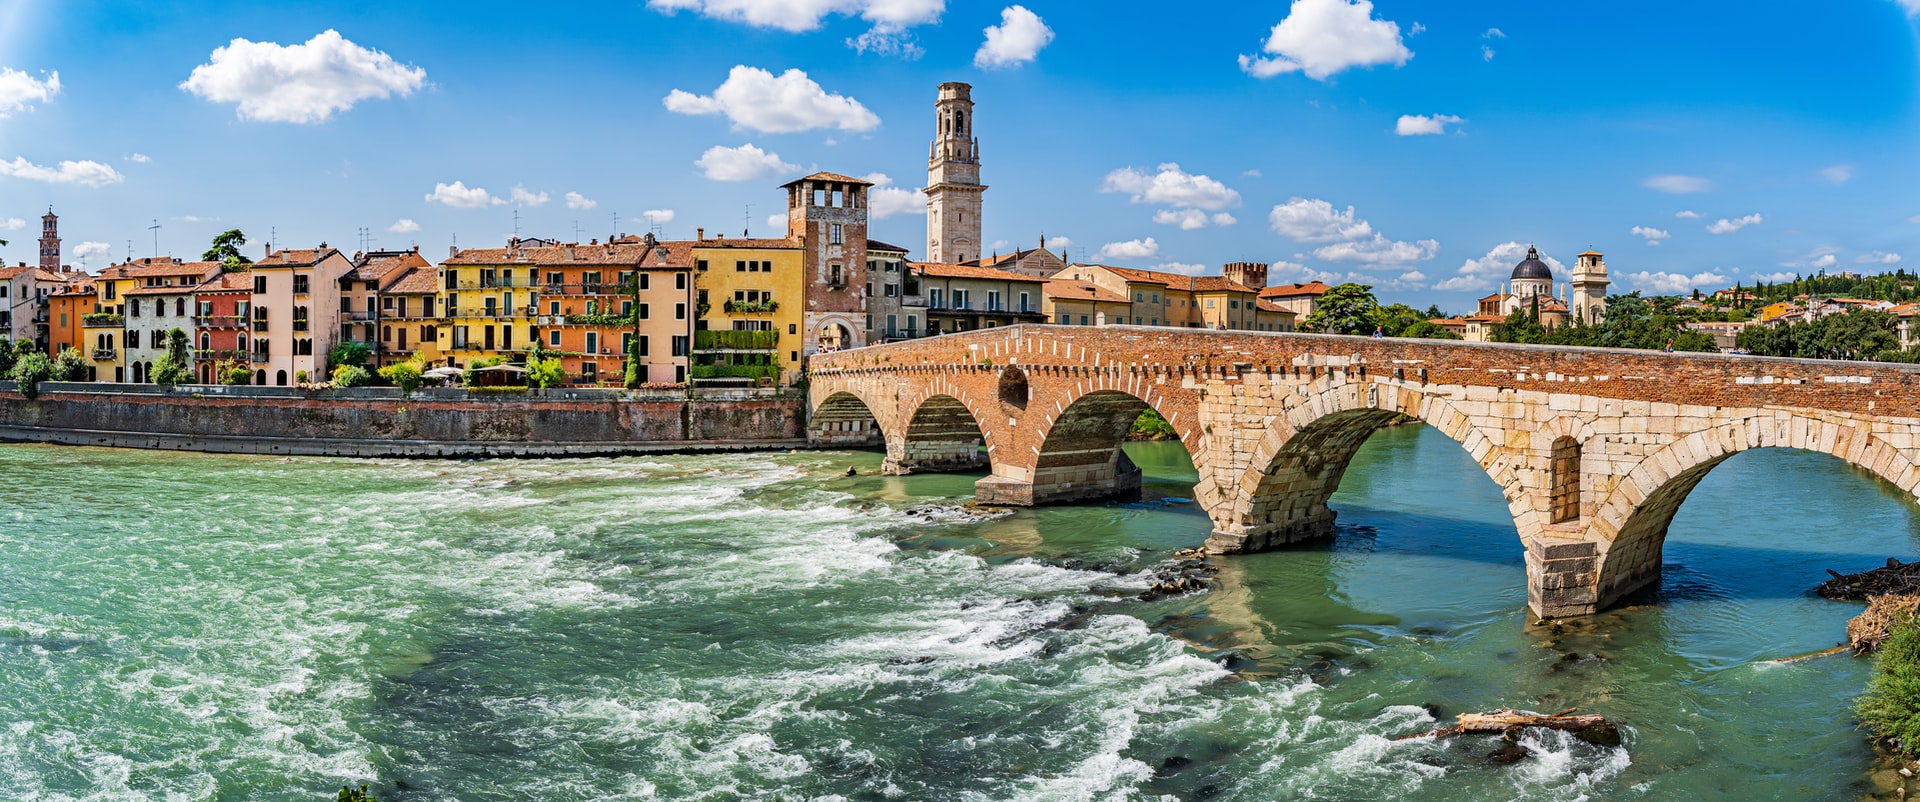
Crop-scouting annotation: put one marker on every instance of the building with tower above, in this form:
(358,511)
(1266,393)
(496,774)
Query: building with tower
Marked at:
(953,179)
(827,215)
(50,241)
(1529,288)
(1590,289)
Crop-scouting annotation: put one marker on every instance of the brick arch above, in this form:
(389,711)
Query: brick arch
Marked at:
(851,414)
(1281,495)
(944,430)
(1633,518)
(1069,438)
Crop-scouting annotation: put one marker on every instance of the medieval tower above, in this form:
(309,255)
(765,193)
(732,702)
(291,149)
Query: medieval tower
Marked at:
(50,241)
(827,214)
(1590,289)
(953,179)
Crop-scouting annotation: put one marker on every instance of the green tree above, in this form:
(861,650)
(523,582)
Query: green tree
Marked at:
(6,355)
(1394,319)
(634,366)
(546,373)
(1345,309)
(29,371)
(405,375)
(226,251)
(1521,326)
(171,367)
(231,372)
(351,376)
(349,353)
(1427,329)
(69,366)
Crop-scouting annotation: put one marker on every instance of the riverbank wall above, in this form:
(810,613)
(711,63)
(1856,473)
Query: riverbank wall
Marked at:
(382,422)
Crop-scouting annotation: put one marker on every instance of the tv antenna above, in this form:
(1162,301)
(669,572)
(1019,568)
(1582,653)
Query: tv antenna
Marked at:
(516,223)
(576,232)
(746,222)
(155,228)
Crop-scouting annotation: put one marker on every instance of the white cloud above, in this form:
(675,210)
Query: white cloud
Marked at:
(576,200)
(303,83)
(88,250)
(1323,37)
(1182,268)
(744,163)
(777,222)
(1653,235)
(1379,251)
(1250,174)
(886,200)
(1316,221)
(754,99)
(523,197)
(1416,29)
(1915,218)
(459,196)
(1192,219)
(1494,33)
(1824,261)
(1285,272)
(1725,226)
(658,217)
(89,173)
(1486,272)
(1677,184)
(1879,257)
(1486,53)
(887,41)
(19,90)
(12,224)
(404,226)
(1015,41)
(1173,187)
(795,16)
(1687,215)
(1675,283)
(138,158)
(1418,125)
(1773,278)
(1912,7)
(1059,243)
(1839,173)
(1131,249)
(1412,277)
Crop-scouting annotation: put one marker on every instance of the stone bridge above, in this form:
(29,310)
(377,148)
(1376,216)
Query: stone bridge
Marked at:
(1594,449)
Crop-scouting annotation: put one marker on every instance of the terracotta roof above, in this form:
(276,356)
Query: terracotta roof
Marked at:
(296,257)
(81,287)
(943,270)
(415,280)
(1068,290)
(674,254)
(603,254)
(1268,305)
(161,267)
(1314,288)
(876,245)
(41,274)
(845,179)
(1486,318)
(10,273)
(746,242)
(380,265)
(1179,282)
(227,282)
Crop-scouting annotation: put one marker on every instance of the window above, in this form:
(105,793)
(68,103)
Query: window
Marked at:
(553,307)
(700,265)
(679,345)
(913,324)
(136,309)
(644,310)
(426,306)
(180,307)
(679,281)
(299,318)
(487,277)
(133,338)
(933,299)
(626,308)
(453,280)
(300,285)
(679,311)
(644,280)
(626,343)
(740,266)
(555,279)
(1083,320)
(553,337)
(893,290)
(1566,480)
(259,286)
(993,301)
(839,235)
(1209,303)
(1024,305)
(593,342)
(387,304)
(644,345)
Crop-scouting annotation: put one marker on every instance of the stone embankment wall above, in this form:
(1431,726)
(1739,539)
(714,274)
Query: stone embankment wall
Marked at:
(380,422)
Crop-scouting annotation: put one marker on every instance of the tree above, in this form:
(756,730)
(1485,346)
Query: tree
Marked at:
(1346,309)
(405,375)
(69,366)
(231,372)
(226,251)
(349,353)
(6,355)
(29,371)
(351,376)
(1392,320)
(1520,327)
(171,367)
(1428,329)
(634,367)
(546,373)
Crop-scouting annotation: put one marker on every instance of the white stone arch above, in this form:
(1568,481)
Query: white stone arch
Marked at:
(924,393)
(1112,380)
(828,412)
(1631,522)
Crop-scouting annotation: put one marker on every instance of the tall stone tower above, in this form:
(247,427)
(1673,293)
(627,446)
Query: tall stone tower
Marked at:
(1248,274)
(953,179)
(50,241)
(827,213)
(1590,289)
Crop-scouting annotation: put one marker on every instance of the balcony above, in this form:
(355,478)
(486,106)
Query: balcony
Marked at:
(736,340)
(101,354)
(751,307)
(220,321)
(259,326)
(101,319)
(359,315)
(219,355)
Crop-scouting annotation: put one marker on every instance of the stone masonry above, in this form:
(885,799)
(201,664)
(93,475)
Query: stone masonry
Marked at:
(1272,420)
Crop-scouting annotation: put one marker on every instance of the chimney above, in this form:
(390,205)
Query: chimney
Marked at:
(700,234)
(452,251)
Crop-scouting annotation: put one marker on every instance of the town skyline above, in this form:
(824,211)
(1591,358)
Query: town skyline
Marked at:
(1438,144)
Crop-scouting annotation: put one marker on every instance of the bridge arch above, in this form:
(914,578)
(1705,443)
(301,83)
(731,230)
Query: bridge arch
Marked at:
(1634,516)
(1080,430)
(1280,495)
(848,418)
(946,430)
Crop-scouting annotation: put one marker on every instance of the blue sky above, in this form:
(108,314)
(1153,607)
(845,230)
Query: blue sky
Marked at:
(1693,143)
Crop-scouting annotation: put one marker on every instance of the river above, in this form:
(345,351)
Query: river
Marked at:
(208,627)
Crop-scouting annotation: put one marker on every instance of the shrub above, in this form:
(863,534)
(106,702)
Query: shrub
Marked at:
(546,373)
(30,370)
(1891,706)
(237,376)
(299,377)
(349,353)
(405,376)
(69,366)
(351,376)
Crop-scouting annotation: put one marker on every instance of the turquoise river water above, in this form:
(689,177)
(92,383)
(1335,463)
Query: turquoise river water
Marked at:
(204,627)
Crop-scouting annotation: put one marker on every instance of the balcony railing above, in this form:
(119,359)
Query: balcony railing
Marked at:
(100,354)
(220,321)
(216,354)
(359,314)
(751,307)
(259,326)
(101,319)
(736,340)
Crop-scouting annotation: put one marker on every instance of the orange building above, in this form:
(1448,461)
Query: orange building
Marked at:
(65,309)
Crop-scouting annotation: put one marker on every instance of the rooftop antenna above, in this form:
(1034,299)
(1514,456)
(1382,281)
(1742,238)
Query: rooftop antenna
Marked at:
(273,233)
(746,224)
(576,231)
(516,223)
(613,217)
(155,228)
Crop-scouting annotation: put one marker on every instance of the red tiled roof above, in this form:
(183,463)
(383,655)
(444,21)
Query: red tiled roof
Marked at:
(561,255)
(416,280)
(1069,290)
(296,257)
(1179,282)
(823,176)
(876,245)
(746,242)
(1268,305)
(944,270)
(1313,288)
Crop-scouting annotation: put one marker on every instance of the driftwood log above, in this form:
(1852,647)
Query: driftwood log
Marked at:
(1602,731)
(1893,578)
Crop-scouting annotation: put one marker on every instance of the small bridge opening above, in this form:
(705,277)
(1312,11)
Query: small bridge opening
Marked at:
(942,436)
(1080,458)
(845,421)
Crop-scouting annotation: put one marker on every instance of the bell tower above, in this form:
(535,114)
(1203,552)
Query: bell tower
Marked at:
(953,179)
(50,241)
(1590,289)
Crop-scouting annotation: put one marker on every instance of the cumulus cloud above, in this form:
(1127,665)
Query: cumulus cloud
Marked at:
(1687,215)
(1131,249)
(1323,37)
(524,198)
(777,222)
(1673,184)
(1182,268)
(1878,257)
(887,41)
(1015,41)
(1379,251)
(12,224)
(1725,226)
(1773,278)
(1486,272)
(794,17)
(1419,125)
(1912,7)
(138,158)
(657,217)
(744,163)
(1285,272)
(1839,173)
(1653,235)
(576,200)
(886,200)
(754,99)
(1192,219)
(88,250)
(459,196)
(1486,52)
(1171,186)
(303,83)
(1661,283)
(19,90)
(1494,33)
(1316,221)
(404,226)
(86,173)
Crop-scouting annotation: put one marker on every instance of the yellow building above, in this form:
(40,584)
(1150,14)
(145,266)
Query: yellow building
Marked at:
(1775,311)
(487,300)
(745,285)
(1170,299)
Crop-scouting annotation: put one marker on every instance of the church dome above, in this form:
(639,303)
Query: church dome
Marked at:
(1532,267)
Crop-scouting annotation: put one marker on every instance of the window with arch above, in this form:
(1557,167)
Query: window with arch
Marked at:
(1566,480)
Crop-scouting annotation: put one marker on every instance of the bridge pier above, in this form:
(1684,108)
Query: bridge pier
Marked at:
(1117,478)
(1563,577)
(935,456)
